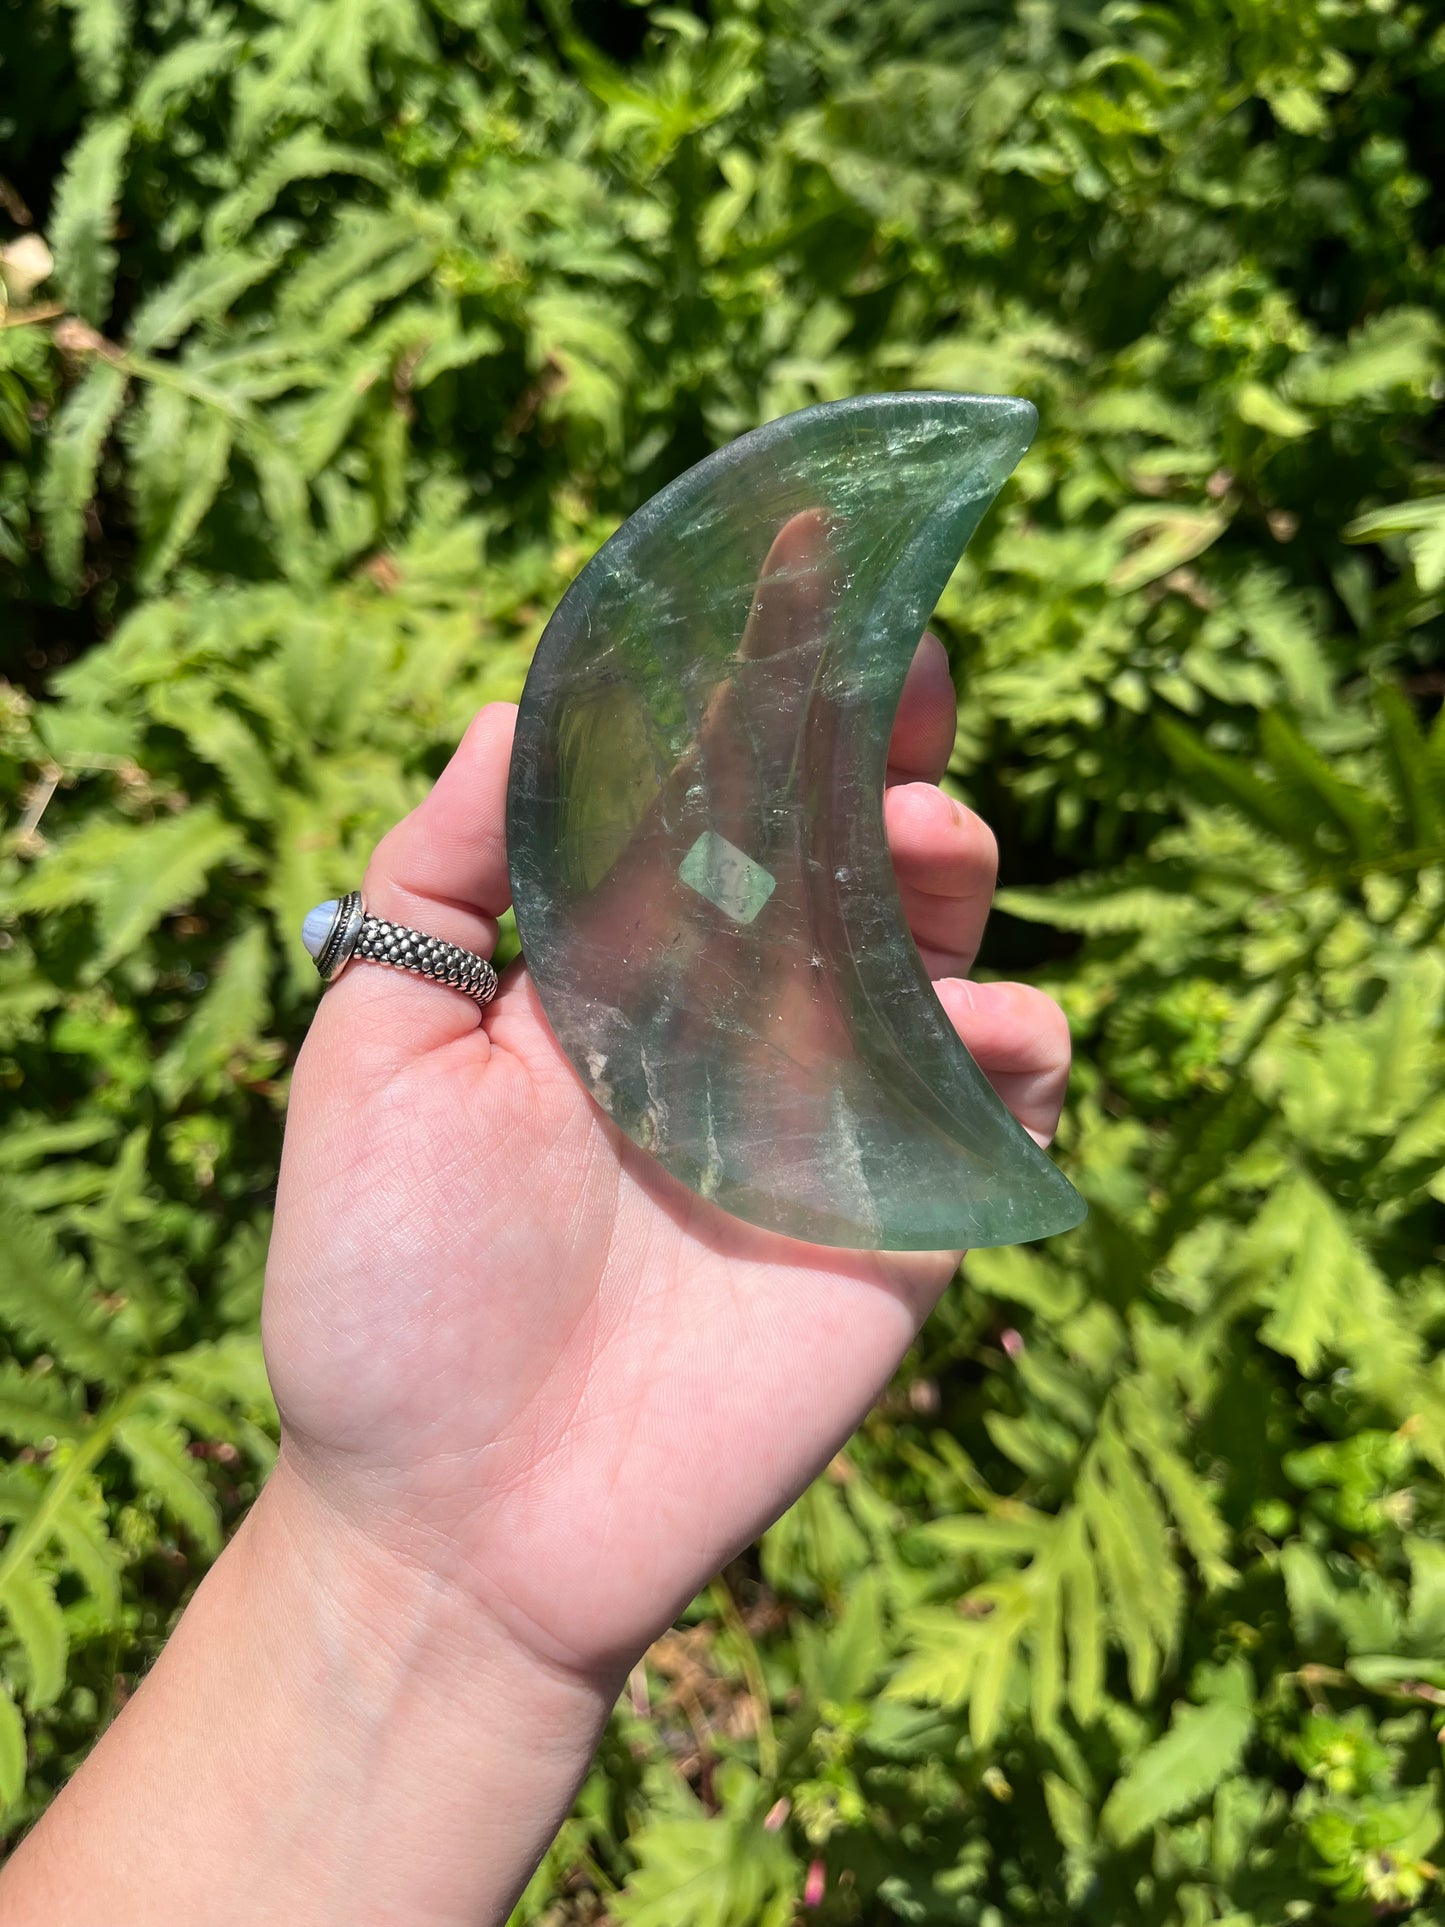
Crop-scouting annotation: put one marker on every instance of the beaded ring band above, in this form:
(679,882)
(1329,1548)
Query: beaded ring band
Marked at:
(336,932)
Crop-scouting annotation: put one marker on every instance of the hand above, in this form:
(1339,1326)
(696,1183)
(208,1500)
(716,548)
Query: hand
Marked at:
(499,1355)
(533,1396)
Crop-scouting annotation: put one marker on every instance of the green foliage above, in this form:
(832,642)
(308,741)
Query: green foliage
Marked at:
(1203,1747)
(365,325)
(728,1872)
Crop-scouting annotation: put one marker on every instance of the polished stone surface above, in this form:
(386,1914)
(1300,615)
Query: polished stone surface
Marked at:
(317,927)
(695,831)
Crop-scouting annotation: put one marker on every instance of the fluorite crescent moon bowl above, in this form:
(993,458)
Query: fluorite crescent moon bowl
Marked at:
(702,883)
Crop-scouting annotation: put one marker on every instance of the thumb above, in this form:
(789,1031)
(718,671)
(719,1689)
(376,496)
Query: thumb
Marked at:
(443,871)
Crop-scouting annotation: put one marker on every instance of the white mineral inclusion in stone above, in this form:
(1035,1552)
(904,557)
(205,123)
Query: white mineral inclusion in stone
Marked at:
(317,926)
(727,876)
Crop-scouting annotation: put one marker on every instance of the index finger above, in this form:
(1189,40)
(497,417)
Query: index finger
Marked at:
(927,719)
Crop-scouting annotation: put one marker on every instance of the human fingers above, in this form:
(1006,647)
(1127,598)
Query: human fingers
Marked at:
(1019,1038)
(797,591)
(442,870)
(946,862)
(927,719)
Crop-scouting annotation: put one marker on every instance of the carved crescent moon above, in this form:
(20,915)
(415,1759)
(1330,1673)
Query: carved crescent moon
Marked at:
(701,877)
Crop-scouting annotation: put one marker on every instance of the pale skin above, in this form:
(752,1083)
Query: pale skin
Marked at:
(533,1396)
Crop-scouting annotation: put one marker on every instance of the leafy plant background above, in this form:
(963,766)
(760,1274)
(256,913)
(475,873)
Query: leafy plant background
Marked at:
(337,333)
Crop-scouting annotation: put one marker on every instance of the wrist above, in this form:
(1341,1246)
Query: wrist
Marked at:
(395,1613)
(330,1736)
(436,1729)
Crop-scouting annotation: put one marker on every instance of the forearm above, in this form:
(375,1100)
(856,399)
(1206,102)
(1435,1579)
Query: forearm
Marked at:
(328,1736)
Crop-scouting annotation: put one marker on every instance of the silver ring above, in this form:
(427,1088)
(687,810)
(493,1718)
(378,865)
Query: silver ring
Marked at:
(336,932)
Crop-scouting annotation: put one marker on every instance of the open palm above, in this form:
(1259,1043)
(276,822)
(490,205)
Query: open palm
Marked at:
(505,1345)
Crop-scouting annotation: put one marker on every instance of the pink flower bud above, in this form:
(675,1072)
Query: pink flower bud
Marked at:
(815,1884)
(1012,1342)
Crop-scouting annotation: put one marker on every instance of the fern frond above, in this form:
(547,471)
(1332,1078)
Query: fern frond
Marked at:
(1083,1620)
(1421,523)
(1326,1297)
(1046,1656)
(1015,1533)
(100,35)
(1203,1746)
(1425,1626)
(70,871)
(162,866)
(301,156)
(1312,1598)
(1282,625)
(1230,778)
(220,737)
(1172,535)
(84,219)
(205,289)
(238,1289)
(72,459)
(219,1390)
(28,1609)
(34,1139)
(1312,1267)
(46,1299)
(1100,905)
(188,453)
(1103,1569)
(184,72)
(1418,785)
(1189,1500)
(81,1529)
(164,1469)
(369,259)
(37,1408)
(1358,814)
(941,1658)
(233,1010)
(1131,1537)
(13,1751)
(1013,1612)
(56,1513)
(286,501)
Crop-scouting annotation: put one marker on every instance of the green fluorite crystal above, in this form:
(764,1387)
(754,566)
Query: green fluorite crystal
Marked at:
(695,830)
